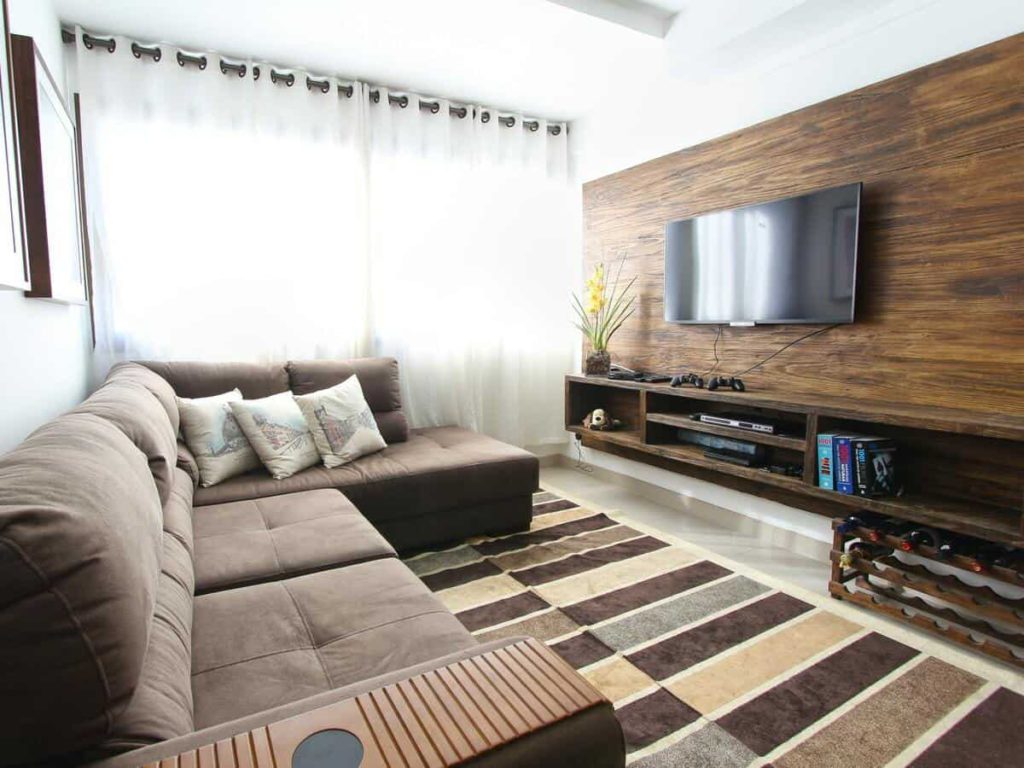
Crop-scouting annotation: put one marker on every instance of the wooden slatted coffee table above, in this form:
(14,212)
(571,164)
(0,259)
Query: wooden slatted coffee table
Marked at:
(439,718)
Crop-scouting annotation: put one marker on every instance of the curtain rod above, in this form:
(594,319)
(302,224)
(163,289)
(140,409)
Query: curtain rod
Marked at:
(286,77)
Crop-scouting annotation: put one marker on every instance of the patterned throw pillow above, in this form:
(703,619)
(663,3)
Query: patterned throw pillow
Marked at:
(214,437)
(341,422)
(277,431)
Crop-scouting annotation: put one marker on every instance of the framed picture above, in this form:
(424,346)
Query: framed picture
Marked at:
(14,266)
(50,184)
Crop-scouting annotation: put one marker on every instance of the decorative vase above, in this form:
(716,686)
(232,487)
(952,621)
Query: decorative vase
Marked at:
(598,363)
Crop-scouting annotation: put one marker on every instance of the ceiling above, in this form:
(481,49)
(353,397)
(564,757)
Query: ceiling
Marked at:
(532,56)
(559,59)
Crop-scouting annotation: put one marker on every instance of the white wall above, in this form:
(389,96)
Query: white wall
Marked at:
(721,85)
(45,348)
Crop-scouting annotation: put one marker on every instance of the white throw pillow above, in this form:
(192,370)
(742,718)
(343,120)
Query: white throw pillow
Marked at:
(277,431)
(214,437)
(341,422)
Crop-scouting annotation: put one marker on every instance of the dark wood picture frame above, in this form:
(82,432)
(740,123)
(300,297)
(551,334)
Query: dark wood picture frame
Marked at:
(14,264)
(50,179)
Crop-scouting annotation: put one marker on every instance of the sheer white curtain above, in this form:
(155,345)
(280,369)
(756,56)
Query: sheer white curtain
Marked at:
(471,255)
(233,218)
(226,214)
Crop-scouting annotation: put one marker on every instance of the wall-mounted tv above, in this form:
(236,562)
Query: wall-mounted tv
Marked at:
(785,261)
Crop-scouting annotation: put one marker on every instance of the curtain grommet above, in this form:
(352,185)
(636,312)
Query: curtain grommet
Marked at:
(485,117)
(183,59)
(91,42)
(138,51)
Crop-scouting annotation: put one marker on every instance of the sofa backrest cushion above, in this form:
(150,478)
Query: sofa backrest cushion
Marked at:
(161,707)
(378,377)
(80,547)
(164,392)
(137,413)
(194,379)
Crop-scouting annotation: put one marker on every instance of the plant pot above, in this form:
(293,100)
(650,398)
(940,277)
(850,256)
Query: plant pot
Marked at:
(598,363)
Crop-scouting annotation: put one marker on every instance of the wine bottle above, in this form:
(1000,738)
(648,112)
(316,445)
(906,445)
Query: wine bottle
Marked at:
(863,550)
(920,537)
(859,520)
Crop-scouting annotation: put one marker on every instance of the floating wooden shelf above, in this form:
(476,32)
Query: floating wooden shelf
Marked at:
(963,471)
(685,422)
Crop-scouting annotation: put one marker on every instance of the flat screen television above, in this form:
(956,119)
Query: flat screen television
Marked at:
(785,261)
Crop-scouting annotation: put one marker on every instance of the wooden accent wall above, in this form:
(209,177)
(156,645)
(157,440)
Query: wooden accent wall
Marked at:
(940,294)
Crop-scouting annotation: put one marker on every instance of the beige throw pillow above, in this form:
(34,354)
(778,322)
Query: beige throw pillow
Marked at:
(214,437)
(342,423)
(277,431)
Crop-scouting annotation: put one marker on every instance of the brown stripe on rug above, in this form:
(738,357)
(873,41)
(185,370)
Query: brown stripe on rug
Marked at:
(595,558)
(582,650)
(453,577)
(501,611)
(649,591)
(522,540)
(653,717)
(777,715)
(682,651)
(992,734)
(546,508)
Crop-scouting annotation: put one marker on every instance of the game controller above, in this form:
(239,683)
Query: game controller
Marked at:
(687,378)
(736,384)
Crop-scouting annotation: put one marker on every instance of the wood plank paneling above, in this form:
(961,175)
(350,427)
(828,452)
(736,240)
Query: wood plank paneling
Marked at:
(940,306)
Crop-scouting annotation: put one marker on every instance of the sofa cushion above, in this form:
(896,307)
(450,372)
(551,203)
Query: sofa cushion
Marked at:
(215,438)
(161,707)
(378,377)
(188,379)
(80,547)
(135,411)
(158,385)
(268,644)
(436,469)
(341,422)
(277,431)
(244,542)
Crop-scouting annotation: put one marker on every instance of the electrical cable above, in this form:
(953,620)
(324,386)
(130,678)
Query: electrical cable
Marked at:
(718,335)
(784,348)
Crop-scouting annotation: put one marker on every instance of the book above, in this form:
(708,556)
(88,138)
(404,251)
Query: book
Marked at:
(825,448)
(874,467)
(842,463)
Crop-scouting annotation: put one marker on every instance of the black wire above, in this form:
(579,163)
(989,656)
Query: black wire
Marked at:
(713,368)
(787,346)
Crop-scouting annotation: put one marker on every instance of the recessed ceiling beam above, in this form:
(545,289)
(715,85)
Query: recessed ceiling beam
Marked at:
(633,14)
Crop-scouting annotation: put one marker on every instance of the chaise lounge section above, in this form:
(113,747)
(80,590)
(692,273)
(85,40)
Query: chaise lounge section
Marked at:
(429,486)
(138,624)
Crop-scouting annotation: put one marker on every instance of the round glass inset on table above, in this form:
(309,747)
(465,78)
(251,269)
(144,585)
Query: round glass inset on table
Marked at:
(333,748)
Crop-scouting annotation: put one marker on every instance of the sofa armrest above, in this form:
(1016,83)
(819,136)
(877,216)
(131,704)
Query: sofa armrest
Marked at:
(511,702)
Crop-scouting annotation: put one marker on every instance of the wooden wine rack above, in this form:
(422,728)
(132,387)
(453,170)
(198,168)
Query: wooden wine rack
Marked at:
(978,618)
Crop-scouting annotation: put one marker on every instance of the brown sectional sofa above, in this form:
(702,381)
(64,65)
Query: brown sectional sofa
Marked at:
(141,616)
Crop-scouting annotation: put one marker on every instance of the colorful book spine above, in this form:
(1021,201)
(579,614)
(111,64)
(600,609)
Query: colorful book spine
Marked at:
(875,471)
(842,463)
(825,475)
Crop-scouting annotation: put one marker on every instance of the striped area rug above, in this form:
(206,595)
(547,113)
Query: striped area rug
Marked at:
(708,666)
